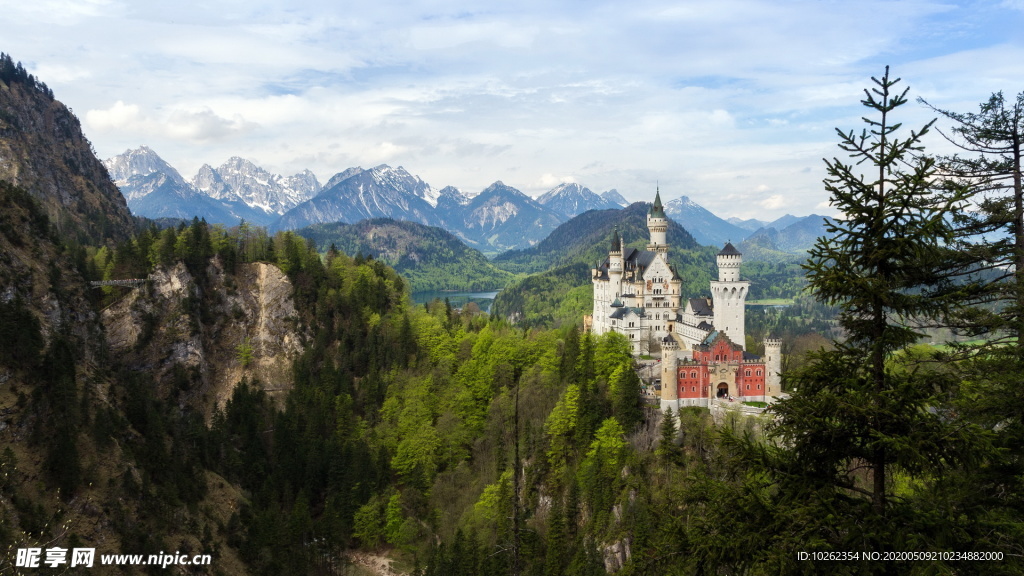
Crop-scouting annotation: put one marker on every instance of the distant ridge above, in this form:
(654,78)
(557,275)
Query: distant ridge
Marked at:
(430,257)
(582,239)
(571,199)
(708,229)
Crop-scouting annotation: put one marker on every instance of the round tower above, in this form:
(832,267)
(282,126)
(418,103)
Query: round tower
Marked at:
(729,294)
(772,366)
(669,383)
(729,260)
(615,263)
(657,226)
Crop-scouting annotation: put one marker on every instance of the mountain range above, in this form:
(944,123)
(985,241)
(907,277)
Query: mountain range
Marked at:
(497,219)
(793,235)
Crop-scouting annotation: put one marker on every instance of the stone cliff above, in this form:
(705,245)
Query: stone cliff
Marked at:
(216,332)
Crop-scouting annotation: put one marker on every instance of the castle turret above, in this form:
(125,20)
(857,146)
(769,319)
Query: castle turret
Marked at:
(730,294)
(773,367)
(615,262)
(669,385)
(657,225)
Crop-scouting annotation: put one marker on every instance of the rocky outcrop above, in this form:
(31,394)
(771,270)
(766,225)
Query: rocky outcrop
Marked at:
(43,151)
(616,554)
(228,327)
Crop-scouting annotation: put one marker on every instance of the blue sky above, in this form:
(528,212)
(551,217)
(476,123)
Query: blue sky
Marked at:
(730,102)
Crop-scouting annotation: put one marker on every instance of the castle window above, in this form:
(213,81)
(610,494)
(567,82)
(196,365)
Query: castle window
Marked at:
(748,386)
(693,388)
(748,372)
(758,386)
(758,372)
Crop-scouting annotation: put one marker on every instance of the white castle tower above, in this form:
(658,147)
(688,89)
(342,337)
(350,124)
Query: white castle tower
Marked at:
(657,225)
(772,366)
(729,294)
(615,262)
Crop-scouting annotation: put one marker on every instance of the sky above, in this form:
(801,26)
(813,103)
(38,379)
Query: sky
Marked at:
(733,103)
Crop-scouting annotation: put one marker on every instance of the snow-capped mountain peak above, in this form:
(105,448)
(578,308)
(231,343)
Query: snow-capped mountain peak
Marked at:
(142,161)
(239,179)
(613,197)
(571,199)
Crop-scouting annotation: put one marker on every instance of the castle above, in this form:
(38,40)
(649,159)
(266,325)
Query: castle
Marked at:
(637,294)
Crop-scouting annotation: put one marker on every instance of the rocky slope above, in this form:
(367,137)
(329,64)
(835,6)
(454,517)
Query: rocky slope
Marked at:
(358,194)
(241,180)
(571,199)
(503,218)
(43,151)
(233,327)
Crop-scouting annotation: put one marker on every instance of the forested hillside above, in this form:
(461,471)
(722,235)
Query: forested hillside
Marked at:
(429,258)
(586,238)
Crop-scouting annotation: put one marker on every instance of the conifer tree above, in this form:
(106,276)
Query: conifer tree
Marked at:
(989,255)
(880,267)
(858,424)
(989,246)
(667,448)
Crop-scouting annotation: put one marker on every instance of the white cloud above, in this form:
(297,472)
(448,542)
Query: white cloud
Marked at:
(773,202)
(195,126)
(120,116)
(704,97)
(549,181)
(205,125)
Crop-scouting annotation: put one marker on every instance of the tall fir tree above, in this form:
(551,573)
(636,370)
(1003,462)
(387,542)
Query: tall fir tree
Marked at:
(861,427)
(988,257)
(989,246)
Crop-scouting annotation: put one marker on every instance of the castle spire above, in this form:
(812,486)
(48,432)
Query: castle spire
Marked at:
(616,241)
(657,210)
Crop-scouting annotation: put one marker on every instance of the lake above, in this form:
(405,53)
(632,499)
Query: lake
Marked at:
(458,299)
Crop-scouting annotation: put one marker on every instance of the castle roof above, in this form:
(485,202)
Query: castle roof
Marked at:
(710,338)
(634,259)
(701,307)
(626,311)
(657,210)
(730,250)
(714,337)
(644,258)
(749,356)
(617,303)
(616,240)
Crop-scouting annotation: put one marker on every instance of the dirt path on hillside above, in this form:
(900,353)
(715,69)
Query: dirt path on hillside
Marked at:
(379,565)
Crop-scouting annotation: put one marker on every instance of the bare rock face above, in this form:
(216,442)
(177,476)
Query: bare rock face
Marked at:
(233,326)
(43,151)
(616,554)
